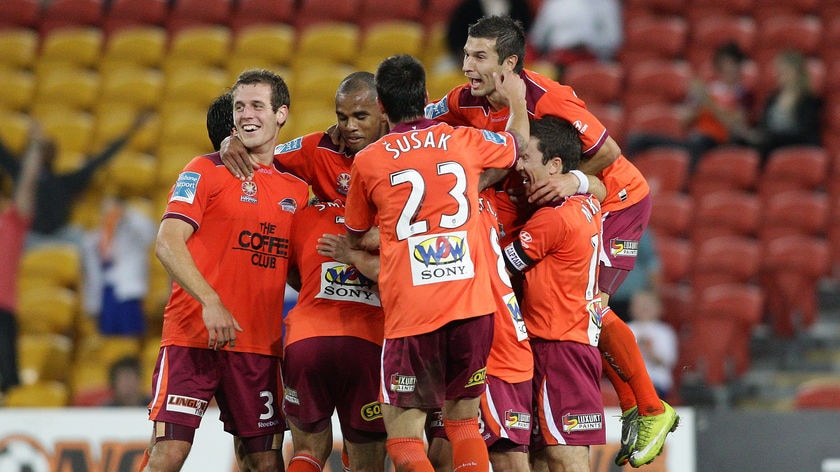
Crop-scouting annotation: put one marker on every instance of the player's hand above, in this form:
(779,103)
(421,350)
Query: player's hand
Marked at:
(370,241)
(221,326)
(236,158)
(553,188)
(335,137)
(510,86)
(334,246)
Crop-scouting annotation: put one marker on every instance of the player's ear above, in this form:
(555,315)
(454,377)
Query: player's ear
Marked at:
(282,114)
(510,62)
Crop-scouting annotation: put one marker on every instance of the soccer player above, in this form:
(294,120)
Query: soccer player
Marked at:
(421,181)
(319,159)
(338,313)
(219,234)
(495,43)
(557,250)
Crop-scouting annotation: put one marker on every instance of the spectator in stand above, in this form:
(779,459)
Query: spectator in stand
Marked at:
(567,31)
(716,112)
(126,384)
(15,218)
(469,11)
(57,192)
(657,339)
(116,260)
(792,113)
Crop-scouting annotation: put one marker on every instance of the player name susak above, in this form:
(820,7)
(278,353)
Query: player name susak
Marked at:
(417,140)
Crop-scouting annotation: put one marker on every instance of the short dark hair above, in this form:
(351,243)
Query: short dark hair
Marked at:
(279,89)
(357,82)
(558,138)
(131,363)
(508,33)
(729,49)
(220,119)
(401,87)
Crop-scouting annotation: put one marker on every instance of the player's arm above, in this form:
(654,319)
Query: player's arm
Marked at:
(237,159)
(606,155)
(171,249)
(27,184)
(512,89)
(562,185)
(336,246)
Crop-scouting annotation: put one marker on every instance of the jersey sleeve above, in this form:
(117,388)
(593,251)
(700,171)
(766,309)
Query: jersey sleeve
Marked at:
(538,237)
(572,109)
(295,155)
(189,196)
(498,150)
(359,212)
(448,109)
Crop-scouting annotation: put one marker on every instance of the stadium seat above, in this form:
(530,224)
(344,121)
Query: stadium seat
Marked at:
(14,130)
(716,341)
(172,157)
(81,46)
(818,394)
(664,7)
(57,262)
(185,127)
(72,130)
(664,167)
(791,267)
(733,7)
(57,14)
(794,212)
(671,214)
(725,213)
(247,13)
(196,85)
(74,88)
(725,259)
(376,11)
(128,14)
(140,45)
(269,43)
(21,14)
(725,168)
(799,32)
(654,118)
(654,37)
(44,356)
(48,394)
(50,309)
(794,168)
(139,87)
(658,80)
(318,88)
(596,81)
(133,173)
(17,90)
(310,12)
(710,32)
(438,12)
(676,303)
(18,47)
(185,14)
(611,116)
(330,42)
(439,83)
(208,44)
(387,38)
(675,256)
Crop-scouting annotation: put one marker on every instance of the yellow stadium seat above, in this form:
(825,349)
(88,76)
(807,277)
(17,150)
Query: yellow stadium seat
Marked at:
(434,49)
(115,119)
(17,90)
(317,89)
(440,83)
(71,130)
(330,41)
(14,130)
(187,127)
(387,38)
(208,45)
(105,350)
(60,263)
(140,45)
(77,45)
(140,87)
(133,173)
(18,47)
(44,356)
(196,85)
(86,375)
(48,309)
(310,119)
(172,157)
(74,88)
(236,65)
(272,42)
(41,394)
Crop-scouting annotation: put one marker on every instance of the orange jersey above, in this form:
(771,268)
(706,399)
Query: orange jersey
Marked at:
(625,184)
(240,246)
(315,159)
(558,251)
(335,298)
(421,180)
(510,357)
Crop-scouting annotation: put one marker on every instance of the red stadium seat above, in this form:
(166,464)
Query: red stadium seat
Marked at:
(671,214)
(21,13)
(664,167)
(654,118)
(190,13)
(818,394)
(794,168)
(794,212)
(249,12)
(127,13)
(611,116)
(64,13)
(596,81)
(723,260)
(654,37)
(675,254)
(725,168)
(709,32)
(791,267)
(317,11)
(725,213)
(799,32)
(658,81)
(375,11)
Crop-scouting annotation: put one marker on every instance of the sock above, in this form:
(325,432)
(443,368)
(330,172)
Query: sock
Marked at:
(144,461)
(408,455)
(345,459)
(626,398)
(304,463)
(469,453)
(618,346)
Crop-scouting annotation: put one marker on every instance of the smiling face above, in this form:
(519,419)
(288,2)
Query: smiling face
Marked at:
(530,164)
(256,123)
(360,121)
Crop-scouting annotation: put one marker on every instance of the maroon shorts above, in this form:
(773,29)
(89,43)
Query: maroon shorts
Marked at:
(338,373)
(504,417)
(245,385)
(447,364)
(621,234)
(567,394)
